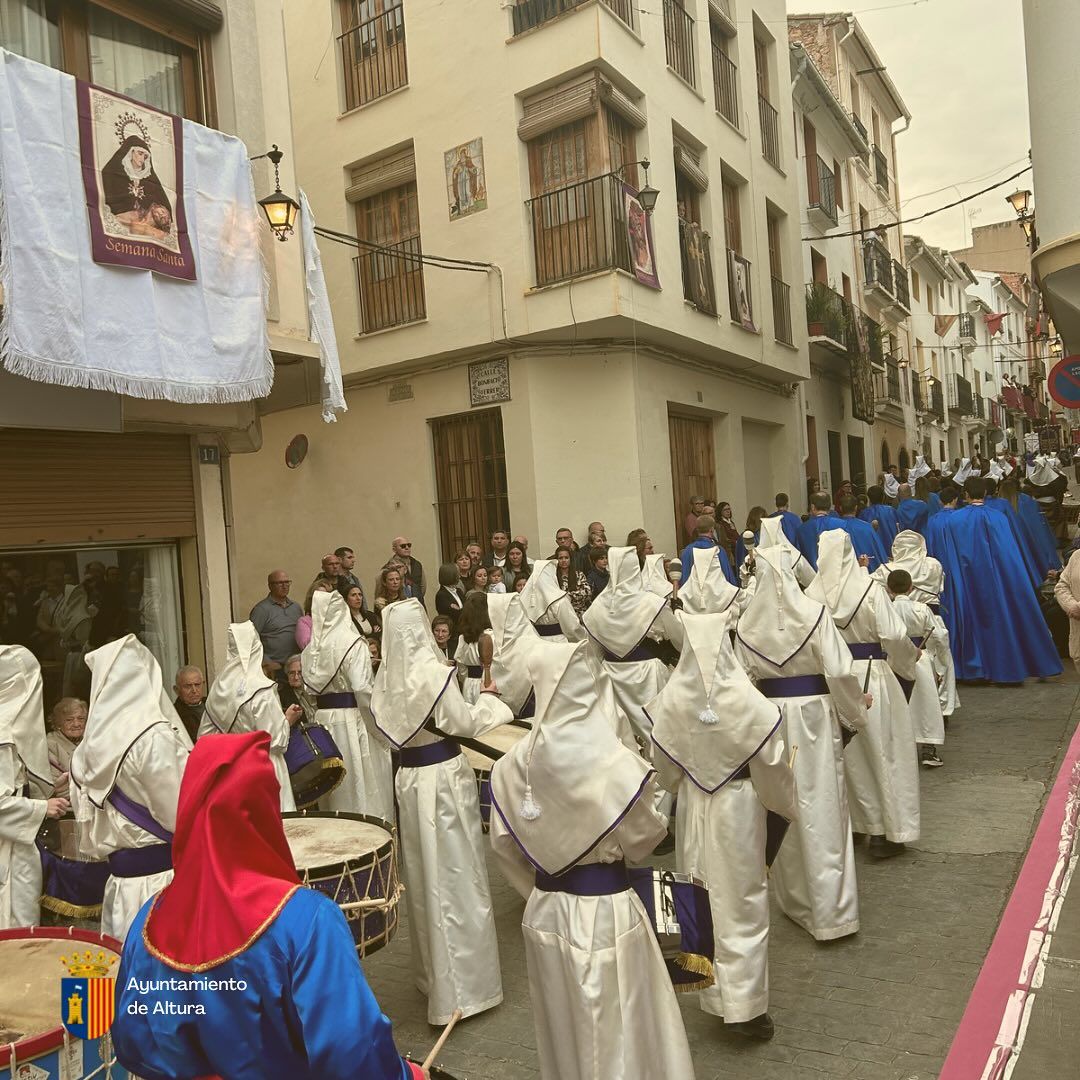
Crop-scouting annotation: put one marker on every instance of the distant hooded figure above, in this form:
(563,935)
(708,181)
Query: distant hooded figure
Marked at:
(131,187)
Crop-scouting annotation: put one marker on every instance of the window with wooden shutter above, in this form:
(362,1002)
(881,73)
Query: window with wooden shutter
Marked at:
(732,220)
(390,276)
(372,46)
(470,478)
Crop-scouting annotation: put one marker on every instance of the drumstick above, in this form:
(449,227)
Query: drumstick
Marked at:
(486,648)
(430,1059)
(791,760)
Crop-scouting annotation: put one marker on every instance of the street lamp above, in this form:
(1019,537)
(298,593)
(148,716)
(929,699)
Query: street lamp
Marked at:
(280,209)
(648,195)
(1020,201)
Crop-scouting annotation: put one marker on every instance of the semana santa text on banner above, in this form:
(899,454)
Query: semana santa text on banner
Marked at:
(133,172)
(72,321)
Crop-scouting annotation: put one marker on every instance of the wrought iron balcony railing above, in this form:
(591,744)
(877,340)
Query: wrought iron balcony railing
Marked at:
(527,14)
(881,168)
(822,187)
(781,306)
(770,131)
(373,57)
(391,284)
(679,40)
(725,85)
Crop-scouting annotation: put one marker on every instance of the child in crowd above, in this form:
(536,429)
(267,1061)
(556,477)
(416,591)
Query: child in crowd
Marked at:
(495,580)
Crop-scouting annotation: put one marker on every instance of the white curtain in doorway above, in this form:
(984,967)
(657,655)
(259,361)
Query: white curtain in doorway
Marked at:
(160,609)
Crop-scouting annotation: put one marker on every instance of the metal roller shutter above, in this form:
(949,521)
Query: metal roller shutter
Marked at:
(79,488)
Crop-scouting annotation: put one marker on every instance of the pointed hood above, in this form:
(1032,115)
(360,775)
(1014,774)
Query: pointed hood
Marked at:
(73,616)
(909,553)
(964,471)
(240,679)
(709,718)
(621,616)
(1003,464)
(413,675)
(1042,473)
(773,537)
(127,698)
(841,583)
(707,590)
(891,485)
(779,618)
(541,591)
(654,577)
(334,636)
(22,720)
(234,871)
(583,778)
(513,637)
(918,470)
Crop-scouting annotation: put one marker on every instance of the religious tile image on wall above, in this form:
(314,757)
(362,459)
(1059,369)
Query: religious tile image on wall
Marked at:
(466,185)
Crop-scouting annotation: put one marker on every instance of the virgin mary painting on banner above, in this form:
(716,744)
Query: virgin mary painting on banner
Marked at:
(132,165)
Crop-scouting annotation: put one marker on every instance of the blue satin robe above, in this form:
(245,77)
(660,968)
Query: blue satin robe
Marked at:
(912,514)
(1039,534)
(933,502)
(996,629)
(885,516)
(864,539)
(1023,541)
(790,523)
(307,1010)
(687,558)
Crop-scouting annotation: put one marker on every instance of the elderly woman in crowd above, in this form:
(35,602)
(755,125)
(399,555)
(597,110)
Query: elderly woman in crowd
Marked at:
(67,722)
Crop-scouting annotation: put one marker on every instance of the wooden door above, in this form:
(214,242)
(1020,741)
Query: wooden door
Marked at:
(693,465)
(836,462)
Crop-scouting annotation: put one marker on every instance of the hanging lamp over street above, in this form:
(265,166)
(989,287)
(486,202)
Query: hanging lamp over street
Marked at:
(280,209)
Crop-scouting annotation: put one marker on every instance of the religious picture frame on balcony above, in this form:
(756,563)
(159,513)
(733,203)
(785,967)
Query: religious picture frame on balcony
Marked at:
(742,296)
(466,181)
(132,159)
(640,239)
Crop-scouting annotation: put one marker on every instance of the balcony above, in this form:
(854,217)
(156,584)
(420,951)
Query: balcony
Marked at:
(829,319)
(679,40)
(725,85)
(981,409)
(871,339)
(821,203)
(579,229)
(740,295)
(967,328)
(528,14)
(878,271)
(860,127)
(920,394)
(887,384)
(1036,371)
(995,413)
(781,306)
(697,273)
(937,400)
(373,57)
(881,168)
(960,396)
(391,284)
(901,289)
(770,131)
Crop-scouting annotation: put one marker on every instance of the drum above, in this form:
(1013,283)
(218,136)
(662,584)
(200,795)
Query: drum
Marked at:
(314,763)
(678,908)
(353,860)
(501,739)
(72,887)
(33,1044)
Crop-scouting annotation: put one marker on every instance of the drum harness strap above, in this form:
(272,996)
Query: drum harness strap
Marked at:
(474,744)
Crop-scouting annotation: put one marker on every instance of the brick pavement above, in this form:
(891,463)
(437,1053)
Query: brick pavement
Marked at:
(882,1005)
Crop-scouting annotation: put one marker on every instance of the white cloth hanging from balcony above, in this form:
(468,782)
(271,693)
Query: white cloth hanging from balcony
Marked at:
(320,318)
(71,321)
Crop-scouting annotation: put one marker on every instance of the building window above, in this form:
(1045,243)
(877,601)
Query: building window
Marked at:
(470,478)
(767,114)
(781,292)
(732,218)
(372,49)
(117,46)
(694,242)
(391,276)
(622,147)
(679,40)
(725,76)
(839,182)
(915,283)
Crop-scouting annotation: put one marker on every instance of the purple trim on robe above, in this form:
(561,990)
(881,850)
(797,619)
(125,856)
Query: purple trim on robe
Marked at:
(855,609)
(866,650)
(659,611)
(589,879)
(768,659)
(138,814)
(451,674)
(788,686)
(734,773)
(419,757)
(344,656)
(573,862)
(119,765)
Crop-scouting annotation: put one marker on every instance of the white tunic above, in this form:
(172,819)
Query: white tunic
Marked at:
(20,862)
(602,998)
(928,723)
(451,917)
(814,874)
(150,774)
(467,656)
(881,762)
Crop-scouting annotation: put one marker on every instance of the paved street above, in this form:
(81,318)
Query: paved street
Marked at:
(882,1005)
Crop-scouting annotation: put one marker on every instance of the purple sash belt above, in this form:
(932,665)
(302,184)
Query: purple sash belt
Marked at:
(592,879)
(935,608)
(634,656)
(866,650)
(547,630)
(137,814)
(141,862)
(474,671)
(418,757)
(344,700)
(794,686)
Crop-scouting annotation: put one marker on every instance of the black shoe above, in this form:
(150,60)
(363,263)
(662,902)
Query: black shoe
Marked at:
(761,1027)
(881,848)
(928,757)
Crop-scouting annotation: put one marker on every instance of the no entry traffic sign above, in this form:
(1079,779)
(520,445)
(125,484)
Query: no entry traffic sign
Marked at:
(1064,382)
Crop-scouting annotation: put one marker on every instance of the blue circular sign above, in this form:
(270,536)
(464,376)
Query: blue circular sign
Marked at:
(1064,382)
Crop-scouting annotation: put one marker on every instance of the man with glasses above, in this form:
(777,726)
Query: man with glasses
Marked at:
(414,572)
(275,618)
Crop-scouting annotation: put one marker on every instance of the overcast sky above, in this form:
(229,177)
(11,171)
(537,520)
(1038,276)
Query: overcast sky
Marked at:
(959,66)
